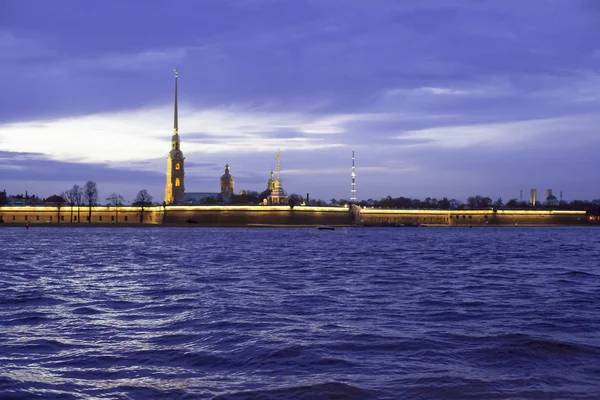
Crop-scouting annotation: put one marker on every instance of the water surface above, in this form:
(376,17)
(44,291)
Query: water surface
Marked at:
(415,313)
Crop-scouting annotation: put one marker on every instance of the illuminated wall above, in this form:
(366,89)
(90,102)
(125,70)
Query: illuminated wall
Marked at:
(289,216)
(100,215)
(370,216)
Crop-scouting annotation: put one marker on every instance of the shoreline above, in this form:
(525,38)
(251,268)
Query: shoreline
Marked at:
(281,226)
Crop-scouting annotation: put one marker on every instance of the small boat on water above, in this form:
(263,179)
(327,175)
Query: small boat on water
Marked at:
(325,228)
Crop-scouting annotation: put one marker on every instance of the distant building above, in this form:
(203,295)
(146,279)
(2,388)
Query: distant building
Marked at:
(278,195)
(25,200)
(227,184)
(175,188)
(55,200)
(262,197)
(533,197)
(271,182)
(3,198)
(551,200)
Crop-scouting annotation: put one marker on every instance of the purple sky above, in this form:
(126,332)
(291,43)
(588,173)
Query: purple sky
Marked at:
(437,97)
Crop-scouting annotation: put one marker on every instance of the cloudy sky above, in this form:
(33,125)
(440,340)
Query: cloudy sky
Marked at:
(437,97)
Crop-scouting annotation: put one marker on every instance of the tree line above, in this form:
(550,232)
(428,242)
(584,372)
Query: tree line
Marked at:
(87,195)
(473,202)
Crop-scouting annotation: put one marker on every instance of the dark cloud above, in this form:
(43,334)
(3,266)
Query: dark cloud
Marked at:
(29,166)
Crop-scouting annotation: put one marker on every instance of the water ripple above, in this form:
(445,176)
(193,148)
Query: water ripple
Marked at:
(499,313)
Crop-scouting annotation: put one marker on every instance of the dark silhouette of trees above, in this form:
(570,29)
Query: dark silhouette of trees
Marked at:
(444,204)
(143,199)
(74,196)
(116,200)
(68,195)
(245,197)
(90,195)
(479,202)
(406,202)
(512,203)
(473,202)
(295,199)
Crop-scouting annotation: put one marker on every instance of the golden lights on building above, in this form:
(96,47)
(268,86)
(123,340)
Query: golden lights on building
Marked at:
(175,187)
(227,184)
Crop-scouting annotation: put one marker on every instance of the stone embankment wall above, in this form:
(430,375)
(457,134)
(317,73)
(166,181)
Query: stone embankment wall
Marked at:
(179,215)
(257,215)
(379,217)
(289,216)
(78,215)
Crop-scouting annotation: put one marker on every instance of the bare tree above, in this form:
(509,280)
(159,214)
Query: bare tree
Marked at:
(90,195)
(143,199)
(74,197)
(295,199)
(116,200)
(68,195)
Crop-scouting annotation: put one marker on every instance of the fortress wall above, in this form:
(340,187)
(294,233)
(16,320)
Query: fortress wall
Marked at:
(376,217)
(202,215)
(100,215)
(536,218)
(285,215)
(257,215)
(472,217)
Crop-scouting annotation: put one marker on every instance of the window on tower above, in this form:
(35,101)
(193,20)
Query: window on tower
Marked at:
(177,182)
(177,166)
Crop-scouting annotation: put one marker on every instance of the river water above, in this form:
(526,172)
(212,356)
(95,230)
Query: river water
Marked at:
(412,313)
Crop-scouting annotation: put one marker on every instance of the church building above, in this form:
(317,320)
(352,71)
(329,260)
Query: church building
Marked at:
(175,189)
(226,185)
(278,195)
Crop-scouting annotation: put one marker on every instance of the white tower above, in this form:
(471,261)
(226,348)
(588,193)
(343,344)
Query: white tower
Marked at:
(353,187)
(533,197)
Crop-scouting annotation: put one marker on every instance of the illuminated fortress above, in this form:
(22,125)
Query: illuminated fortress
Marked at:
(175,193)
(180,207)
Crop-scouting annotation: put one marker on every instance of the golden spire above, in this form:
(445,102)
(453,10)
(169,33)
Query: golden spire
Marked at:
(175,122)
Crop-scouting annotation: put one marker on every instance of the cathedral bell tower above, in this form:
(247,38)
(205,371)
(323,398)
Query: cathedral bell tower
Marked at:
(175,190)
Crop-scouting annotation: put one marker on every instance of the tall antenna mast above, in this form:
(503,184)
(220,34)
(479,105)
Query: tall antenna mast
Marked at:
(353,187)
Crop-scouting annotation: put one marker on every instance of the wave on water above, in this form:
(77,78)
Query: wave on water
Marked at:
(295,314)
(322,391)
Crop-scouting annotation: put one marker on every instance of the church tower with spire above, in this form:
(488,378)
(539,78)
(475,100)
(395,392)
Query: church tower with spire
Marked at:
(175,190)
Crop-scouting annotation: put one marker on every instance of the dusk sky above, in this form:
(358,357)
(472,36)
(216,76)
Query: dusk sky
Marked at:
(437,97)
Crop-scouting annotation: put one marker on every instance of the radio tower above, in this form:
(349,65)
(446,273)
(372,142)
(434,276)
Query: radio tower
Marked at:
(353,188)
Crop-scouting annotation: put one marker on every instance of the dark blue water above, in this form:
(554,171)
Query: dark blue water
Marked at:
(414,313)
